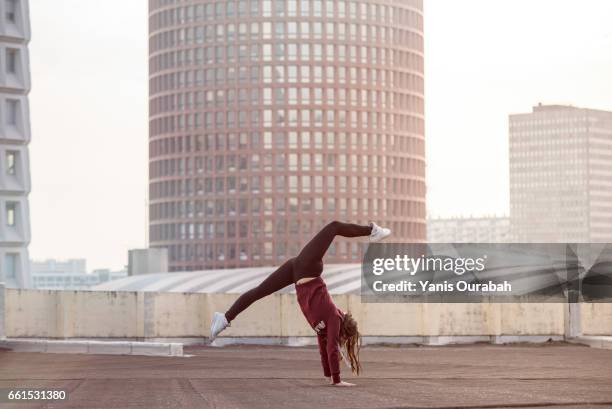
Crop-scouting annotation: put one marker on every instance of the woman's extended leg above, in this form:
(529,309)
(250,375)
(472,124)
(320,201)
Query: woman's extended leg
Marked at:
(280,278)
(309,262)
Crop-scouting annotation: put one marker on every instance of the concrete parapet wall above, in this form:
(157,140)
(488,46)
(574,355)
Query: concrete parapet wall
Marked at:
(69,314)
(132,315)
(596,319)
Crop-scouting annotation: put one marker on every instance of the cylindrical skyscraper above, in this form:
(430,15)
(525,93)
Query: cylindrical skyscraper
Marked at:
(14,140)
(269,118)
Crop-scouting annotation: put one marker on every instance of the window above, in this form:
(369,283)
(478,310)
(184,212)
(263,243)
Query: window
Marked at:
(11,10)
(10,265)
(11,158)
(11,60)
(11,209)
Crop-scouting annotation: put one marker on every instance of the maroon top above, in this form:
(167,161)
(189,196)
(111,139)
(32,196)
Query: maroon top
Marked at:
(325,318)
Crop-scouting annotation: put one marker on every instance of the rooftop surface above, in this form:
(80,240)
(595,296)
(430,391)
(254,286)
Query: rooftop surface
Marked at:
(473,376)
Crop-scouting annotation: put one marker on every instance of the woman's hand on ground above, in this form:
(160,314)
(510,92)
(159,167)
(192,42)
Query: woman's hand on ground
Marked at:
(342,383)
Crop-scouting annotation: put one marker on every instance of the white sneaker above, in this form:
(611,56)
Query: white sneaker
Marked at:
(218,324)
(378,233)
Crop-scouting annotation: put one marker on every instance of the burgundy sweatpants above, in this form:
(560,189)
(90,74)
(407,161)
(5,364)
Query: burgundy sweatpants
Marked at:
(309,263)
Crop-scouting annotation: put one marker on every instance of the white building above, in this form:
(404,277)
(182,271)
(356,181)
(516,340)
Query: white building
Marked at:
(14,140)
(105,275)
(69,275)
(489,229)
(52,266)
(147,261)
(60,274)
(560,175)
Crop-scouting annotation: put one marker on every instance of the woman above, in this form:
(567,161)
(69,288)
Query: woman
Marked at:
(333,327)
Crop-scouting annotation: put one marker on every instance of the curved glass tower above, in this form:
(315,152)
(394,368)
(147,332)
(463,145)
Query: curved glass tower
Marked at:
(269,118)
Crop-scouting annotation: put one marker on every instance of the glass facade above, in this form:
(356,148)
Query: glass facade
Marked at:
(269,119)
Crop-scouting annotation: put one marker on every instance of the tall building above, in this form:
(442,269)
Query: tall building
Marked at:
(269,118)
(486,229)
(561,175)
(14,140)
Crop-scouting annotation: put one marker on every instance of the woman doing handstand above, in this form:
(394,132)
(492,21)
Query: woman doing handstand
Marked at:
(333,327)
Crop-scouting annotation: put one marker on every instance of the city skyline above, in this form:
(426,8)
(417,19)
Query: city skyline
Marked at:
(83,206)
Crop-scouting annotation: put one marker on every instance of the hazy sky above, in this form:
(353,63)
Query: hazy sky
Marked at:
(484,60)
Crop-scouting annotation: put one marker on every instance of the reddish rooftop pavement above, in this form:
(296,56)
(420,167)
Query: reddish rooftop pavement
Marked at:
(475,376)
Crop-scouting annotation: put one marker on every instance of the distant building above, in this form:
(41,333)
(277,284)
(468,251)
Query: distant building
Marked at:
(106,275)
(14,141)
(71,266)
(69,275)
(561,175)
(469,230)
(147,261)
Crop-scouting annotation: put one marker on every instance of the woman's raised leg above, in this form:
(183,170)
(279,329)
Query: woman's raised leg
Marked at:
(315,249)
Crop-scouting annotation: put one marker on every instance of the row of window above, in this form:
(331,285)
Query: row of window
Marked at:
(280,140)
(550,168)
(229,208)
(266,52)
(241,230)
(288,117)
(579,125)
(253,185)
(287,96)
(221,253)
(547,156)
(287,184)
(293,117)
(372,12)
(560,121)
(278,74)
(362,120)
(280,162)
(556,139)
(282,31)
(224,253)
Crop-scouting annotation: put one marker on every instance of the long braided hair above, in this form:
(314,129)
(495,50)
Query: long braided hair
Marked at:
(350,339)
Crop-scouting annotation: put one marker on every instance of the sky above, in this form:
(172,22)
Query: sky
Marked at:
(484,60)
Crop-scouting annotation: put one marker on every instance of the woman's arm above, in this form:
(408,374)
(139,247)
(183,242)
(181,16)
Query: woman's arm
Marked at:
(333,340)
(323,352)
